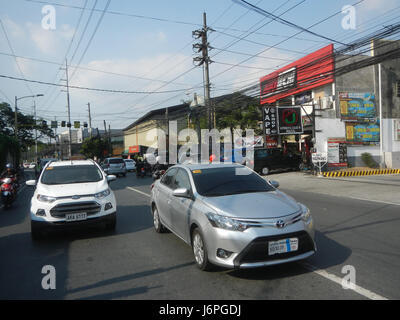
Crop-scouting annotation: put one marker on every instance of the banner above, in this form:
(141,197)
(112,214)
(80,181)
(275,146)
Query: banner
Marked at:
(363,133)
(357,106)
(337,152)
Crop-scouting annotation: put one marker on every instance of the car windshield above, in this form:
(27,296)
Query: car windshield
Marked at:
(71,174)
(113,161)
(214,182)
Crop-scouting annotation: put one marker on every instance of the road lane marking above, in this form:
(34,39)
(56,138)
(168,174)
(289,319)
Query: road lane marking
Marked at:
(138,191)
(360,290)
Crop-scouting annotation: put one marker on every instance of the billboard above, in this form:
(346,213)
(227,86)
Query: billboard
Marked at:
(363,132)
(357,106)
(337,152)
(313,70)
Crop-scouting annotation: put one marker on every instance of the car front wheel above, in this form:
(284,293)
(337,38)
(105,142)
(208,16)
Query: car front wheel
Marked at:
(265,171)
(158,226)
(200,251)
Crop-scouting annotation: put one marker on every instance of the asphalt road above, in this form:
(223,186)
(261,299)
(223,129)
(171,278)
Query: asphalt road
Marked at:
(137,263)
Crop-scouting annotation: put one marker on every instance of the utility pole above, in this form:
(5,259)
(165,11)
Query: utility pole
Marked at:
(105,136)
(204,61)
(16,119)
(90,120)
(69,110)
(36,147)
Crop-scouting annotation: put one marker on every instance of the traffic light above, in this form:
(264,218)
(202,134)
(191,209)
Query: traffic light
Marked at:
(63,123)
(44,123)
(85,125)
(77,124)
(69,124)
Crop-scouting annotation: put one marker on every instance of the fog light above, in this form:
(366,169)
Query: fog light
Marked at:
(224,254)
(108,206)
(41,212)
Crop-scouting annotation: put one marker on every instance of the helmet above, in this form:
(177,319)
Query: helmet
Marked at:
(9,166)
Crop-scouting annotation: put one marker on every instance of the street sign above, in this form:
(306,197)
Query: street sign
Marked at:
(319,157)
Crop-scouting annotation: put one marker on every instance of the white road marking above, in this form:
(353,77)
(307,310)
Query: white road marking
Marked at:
(362,291)
(138,191)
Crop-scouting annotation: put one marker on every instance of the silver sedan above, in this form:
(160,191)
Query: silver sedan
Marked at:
(231,217)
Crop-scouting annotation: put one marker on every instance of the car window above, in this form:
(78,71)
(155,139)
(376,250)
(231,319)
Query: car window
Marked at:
(168,177)
(113,161)
(181,180)
(261,154)
(226,181)
(71,174)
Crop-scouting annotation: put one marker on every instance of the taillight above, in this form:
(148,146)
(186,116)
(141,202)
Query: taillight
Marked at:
(5,186)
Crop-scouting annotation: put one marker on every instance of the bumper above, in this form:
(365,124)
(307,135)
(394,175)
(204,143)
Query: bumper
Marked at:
(249,249)
(62,225)
(115,171)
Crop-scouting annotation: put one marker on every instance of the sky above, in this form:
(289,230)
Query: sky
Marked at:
(144,48)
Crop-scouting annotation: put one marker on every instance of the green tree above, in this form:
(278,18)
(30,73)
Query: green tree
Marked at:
(94,147)
(26,126)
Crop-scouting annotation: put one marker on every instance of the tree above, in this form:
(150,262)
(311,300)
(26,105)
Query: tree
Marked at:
(26,126)
(94,147)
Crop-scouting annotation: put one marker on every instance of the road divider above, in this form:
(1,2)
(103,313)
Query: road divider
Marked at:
(360,173)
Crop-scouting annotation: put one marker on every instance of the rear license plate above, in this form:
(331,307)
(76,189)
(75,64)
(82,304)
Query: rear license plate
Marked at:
(75,216)
(283,246)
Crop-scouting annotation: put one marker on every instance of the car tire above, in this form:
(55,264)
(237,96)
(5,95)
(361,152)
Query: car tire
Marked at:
(265,171)
(200,251)
(112,224)
(36,234)
(158,226)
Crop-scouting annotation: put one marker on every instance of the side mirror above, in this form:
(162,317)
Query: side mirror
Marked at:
(182,193)
(274,183)
(111,177)
(31,183)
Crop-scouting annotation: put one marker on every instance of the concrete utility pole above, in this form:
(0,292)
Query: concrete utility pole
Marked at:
(16,119)
(69,110)
(204,61)
(90,120)
(36,146)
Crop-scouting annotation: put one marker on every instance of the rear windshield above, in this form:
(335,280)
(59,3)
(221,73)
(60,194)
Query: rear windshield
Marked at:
(128,160)
(223,181)
(71,174)
(116,161)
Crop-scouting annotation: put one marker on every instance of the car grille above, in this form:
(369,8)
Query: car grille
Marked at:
(60,210)
(257,250)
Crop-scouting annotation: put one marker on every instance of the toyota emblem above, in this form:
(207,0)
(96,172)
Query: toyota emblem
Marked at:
(280,224)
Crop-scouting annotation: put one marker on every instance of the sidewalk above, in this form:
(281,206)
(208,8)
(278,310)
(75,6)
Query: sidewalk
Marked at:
(370,188)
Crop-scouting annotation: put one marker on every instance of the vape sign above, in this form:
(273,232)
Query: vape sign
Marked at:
(289,120)
(270,121)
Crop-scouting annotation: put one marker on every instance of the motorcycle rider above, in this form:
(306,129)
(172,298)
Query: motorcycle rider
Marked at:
(10,172)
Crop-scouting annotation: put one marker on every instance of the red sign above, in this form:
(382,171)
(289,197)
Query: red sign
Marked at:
(271,142)
(313,70)
(133,149)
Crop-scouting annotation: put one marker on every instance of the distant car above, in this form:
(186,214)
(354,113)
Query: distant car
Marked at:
(266,160)
(71,193)
(44,161)
(231,216)
(114,166)
(26,165)
(130,165)
(32,165)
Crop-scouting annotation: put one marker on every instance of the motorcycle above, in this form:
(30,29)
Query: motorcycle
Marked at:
(142,172)
(8,191)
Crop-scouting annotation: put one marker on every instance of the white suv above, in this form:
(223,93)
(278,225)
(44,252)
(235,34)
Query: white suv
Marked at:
(71,193)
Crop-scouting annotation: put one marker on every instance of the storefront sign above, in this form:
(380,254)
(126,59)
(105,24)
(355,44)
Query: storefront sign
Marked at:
(319,157)
(363,133)
(133,149)
(270,121)
(289,120)
(357,106)
(271,142)
(311,71)
(337,152)
(303,98)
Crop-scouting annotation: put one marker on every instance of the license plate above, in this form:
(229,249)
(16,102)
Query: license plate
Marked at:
(283,246)
(75,216)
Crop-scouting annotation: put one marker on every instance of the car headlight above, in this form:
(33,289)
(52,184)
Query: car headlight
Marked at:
(102,194)
(44,198)
(226,223)
(305,215)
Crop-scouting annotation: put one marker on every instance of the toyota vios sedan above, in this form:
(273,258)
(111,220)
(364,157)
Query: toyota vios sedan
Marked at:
(231,216)
(71,193)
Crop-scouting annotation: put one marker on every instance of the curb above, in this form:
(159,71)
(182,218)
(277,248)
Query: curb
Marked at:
(360,173)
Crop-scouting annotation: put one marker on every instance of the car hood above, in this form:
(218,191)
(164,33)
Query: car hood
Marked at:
(258,205)
(66,190)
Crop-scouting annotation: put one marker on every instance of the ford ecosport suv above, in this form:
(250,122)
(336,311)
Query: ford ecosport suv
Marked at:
(71,193)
